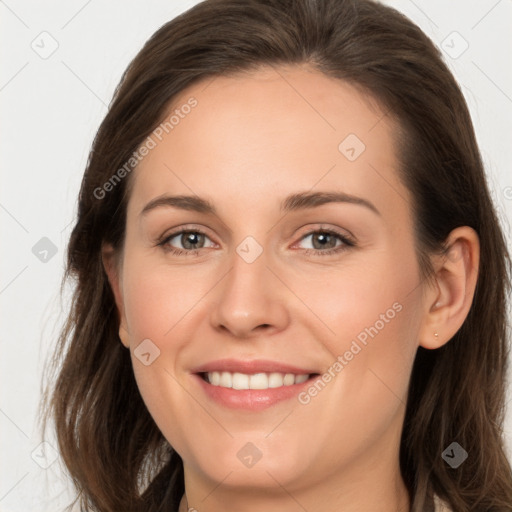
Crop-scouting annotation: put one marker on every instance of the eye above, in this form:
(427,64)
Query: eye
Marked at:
(191,240)
(327,241)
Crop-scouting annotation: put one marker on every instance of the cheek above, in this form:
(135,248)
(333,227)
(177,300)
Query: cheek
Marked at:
(364,387)
(156,304)
(368,319)
(161,305)
(362,300)
(157,297)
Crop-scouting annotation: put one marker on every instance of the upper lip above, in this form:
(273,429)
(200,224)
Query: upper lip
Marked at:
(250,367)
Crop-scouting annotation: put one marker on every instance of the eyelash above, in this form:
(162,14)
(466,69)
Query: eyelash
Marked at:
(347,242)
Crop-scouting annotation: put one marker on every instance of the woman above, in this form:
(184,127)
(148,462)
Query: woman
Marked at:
(290,278)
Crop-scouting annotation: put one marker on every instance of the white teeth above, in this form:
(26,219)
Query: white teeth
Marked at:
(299,379)
(256,380)
(275,380)
(240,381)
(289,379)
(226,380)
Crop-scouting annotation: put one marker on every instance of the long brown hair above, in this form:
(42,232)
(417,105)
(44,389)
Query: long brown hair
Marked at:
(116,456)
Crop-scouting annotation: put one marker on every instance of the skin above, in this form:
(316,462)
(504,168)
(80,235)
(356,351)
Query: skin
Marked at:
(253,139)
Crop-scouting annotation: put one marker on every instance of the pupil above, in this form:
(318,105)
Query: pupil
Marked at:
(191,239)
(322,239)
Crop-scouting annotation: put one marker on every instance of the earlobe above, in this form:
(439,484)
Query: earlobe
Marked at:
(111,266)
(449,300)
(123,333)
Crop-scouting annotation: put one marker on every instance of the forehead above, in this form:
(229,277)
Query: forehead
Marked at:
(254,137)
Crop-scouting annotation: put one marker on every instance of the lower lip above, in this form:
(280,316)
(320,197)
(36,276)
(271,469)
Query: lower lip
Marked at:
(251,399)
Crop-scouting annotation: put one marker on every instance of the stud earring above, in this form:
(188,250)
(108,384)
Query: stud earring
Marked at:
(436,335)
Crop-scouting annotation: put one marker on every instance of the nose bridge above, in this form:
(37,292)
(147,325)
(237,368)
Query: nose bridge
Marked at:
(250,296)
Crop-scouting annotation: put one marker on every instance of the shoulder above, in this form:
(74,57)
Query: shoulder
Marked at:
(440,505)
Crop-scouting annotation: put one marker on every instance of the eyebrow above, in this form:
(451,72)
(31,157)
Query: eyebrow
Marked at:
(294,202)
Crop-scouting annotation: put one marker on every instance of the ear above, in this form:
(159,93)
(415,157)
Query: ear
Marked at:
(449,298)
(112,264)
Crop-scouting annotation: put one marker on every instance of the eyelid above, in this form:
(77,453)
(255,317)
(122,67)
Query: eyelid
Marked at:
(343,233)
(347,239)
(170,234)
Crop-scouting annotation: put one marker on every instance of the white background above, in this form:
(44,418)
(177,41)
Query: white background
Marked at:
(51,109)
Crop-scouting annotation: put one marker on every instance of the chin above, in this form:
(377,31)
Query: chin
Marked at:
(252,465)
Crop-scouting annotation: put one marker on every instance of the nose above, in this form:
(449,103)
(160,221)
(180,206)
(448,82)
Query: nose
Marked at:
(250,300)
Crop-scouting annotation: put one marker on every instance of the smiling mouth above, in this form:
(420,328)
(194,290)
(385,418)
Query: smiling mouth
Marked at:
(259,381)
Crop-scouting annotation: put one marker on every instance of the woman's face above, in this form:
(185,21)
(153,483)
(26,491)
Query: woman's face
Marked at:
(306,269)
